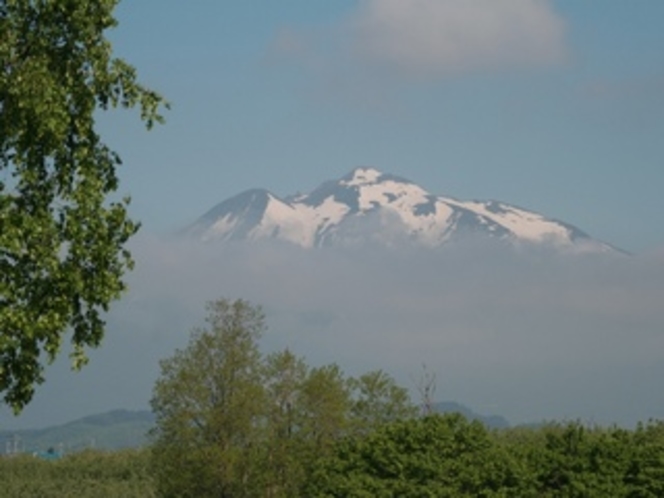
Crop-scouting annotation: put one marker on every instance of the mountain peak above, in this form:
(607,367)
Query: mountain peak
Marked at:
(368,205)
(361,176)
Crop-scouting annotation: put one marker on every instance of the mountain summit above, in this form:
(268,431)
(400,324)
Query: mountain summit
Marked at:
(367,205)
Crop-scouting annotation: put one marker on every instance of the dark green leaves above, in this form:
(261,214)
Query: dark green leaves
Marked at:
(433,456)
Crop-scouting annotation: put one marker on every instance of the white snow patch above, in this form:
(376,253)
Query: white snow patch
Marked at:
(220,229)
(523,224)
(298,223)
(320,218)
(363,176)
(402,199)
(279,218)
(390,192)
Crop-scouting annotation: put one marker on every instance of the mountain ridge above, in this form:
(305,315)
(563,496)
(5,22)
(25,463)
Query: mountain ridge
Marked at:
(120,428)
(111,430)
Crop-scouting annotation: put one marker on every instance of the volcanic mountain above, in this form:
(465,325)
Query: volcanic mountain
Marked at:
(370,206)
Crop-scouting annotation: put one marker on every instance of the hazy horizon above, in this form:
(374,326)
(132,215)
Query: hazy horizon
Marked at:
(526,335)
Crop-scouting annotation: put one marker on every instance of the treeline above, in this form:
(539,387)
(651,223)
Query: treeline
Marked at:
(234,423)
(448,456)
(430,456)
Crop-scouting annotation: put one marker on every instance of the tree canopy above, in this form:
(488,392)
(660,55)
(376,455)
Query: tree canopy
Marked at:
(233,422)
(62,238)
(436,455)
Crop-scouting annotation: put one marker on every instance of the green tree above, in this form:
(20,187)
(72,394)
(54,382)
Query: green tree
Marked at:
(209,405)
(645,471)
(574,460)
(325,402)
(433,456)
(62,254)
(378,400)
(284,461)
(231,422)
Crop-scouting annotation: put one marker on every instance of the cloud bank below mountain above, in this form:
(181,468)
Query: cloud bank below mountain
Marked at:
(525,335)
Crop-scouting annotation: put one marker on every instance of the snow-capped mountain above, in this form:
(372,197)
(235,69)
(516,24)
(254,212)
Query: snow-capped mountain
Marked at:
(368,205)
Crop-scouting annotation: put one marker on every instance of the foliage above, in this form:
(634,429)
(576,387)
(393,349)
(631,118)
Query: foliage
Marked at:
(283,468)
(62,255)
(378,400)
(432,456)
(645,466)
(90,474)
(573,460)
(232,422)
(207,402)
(437,456)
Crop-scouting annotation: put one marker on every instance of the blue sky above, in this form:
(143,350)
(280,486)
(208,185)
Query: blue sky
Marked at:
(557,106)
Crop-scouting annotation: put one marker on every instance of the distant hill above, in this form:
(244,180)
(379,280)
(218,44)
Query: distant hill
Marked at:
(491,421)
(119,429)
(109,431)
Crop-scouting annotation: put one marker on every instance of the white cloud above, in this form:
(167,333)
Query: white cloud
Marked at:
(441,37)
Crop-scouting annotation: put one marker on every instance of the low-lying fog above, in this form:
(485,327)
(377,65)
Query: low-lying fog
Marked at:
(526,335)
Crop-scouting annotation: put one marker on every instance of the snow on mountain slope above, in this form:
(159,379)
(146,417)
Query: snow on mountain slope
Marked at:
(368,205)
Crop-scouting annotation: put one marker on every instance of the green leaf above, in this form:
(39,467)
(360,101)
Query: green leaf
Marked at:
(62,244)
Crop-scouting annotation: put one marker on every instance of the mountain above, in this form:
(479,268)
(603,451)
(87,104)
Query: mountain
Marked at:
(370,206)
(109,431)
(491,421)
